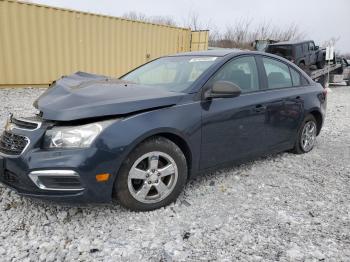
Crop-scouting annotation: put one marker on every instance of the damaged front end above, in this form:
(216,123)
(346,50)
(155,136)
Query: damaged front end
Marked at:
(55,161)
(59,153)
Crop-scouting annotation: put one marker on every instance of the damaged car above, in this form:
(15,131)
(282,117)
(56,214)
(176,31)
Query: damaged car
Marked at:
(139,138)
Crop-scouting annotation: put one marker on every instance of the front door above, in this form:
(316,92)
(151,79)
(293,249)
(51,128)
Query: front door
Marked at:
(233,128)
(312,53)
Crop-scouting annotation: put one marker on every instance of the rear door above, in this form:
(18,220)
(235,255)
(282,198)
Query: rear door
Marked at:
(233,128)
(284,104)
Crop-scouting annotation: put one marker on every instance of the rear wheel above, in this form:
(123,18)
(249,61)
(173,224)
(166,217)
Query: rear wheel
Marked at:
(305,68)
(306,136)
(152,176)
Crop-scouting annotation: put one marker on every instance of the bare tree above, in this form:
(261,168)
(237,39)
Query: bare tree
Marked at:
(242,33)
(214,35)
(331,41)
(193,21)
(163,20)
(132,15)
(291,32)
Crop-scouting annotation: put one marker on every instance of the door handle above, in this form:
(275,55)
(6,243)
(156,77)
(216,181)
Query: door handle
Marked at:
(260,108)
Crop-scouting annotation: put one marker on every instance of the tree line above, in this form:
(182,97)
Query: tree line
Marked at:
(240,34)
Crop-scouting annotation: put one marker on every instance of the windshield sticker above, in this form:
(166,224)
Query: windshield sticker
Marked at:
(203,59)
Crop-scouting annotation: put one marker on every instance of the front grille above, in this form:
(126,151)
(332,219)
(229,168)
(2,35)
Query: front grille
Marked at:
(21,123)
(12,144)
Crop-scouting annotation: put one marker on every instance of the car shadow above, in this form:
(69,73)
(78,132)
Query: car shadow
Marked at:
(192,183)
(229,168)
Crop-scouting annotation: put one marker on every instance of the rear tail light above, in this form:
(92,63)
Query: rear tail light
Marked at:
(325,91)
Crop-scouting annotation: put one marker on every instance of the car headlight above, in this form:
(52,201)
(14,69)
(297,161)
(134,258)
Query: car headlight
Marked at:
(73,136)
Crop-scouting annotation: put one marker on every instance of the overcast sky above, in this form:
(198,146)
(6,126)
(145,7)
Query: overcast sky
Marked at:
(319,19)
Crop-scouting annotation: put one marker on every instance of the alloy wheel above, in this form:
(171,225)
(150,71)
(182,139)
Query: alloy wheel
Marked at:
(152,177)
(308,136)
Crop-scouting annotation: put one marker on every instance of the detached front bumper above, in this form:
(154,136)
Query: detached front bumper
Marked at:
(65,175)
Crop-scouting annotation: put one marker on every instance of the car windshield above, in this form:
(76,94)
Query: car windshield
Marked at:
(282,50)
(171,73)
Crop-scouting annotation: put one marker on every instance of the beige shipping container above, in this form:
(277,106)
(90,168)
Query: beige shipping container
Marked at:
(39,43)
(199,40)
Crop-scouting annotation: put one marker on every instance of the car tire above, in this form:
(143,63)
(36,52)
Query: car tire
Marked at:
(141,184)
(307,130)
(321,64)
(305,68)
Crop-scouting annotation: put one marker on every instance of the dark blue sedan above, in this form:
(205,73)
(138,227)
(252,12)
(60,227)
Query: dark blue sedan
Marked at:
(139,138)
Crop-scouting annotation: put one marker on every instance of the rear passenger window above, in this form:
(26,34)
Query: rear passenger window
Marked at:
(277,73)
(240,71)
(295,77)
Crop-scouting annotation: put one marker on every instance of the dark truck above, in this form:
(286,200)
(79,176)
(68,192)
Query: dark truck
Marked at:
(302,53)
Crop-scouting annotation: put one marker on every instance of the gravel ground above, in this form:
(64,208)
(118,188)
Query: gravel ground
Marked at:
(285,207)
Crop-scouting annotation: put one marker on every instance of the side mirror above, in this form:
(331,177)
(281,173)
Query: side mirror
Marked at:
(223,89)
(317,47)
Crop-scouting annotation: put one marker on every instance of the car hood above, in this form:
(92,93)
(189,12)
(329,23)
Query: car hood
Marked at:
(83,95)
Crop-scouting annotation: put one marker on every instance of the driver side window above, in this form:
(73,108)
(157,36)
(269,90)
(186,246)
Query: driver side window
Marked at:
(311,46)
(240,71)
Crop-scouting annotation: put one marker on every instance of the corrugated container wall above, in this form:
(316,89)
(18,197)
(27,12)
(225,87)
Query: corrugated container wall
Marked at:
(199,40)
(38,43)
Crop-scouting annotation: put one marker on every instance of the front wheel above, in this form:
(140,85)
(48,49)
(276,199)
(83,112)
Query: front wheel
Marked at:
(321,64)
(152,176)
(306,136)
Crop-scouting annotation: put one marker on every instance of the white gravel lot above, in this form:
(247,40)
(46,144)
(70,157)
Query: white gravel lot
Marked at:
(285,207)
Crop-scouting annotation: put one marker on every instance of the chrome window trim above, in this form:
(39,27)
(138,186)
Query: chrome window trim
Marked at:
(35,177)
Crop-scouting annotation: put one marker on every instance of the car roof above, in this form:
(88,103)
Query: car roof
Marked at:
(214,52)
(226,52)
(291,42)
(231,52)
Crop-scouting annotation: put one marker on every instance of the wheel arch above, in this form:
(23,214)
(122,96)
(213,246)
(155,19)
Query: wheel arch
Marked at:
(321,56)
(181,143)
(171,134)
(301,61)
(319,119)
